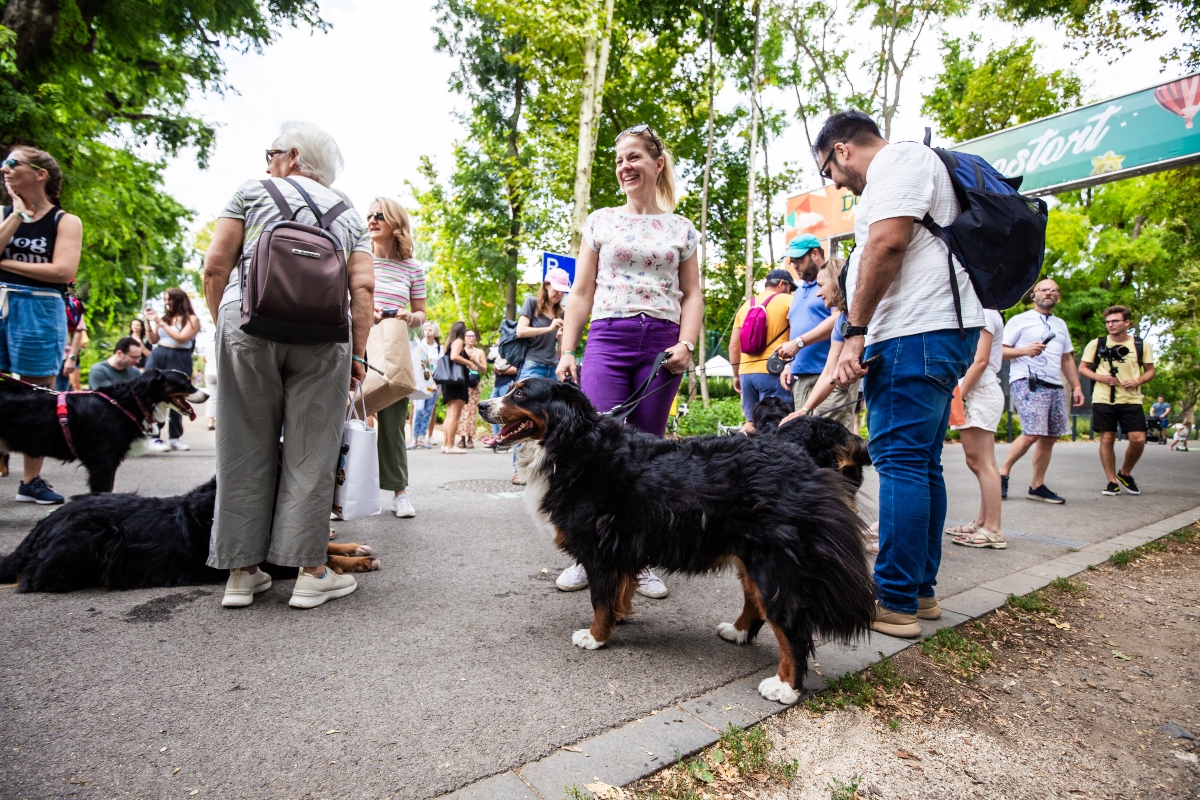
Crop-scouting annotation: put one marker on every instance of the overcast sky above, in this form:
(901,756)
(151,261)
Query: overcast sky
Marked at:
(376,84)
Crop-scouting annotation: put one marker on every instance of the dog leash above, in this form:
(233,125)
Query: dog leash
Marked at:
(621,411)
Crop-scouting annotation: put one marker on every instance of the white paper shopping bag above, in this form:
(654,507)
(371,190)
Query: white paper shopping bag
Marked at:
(357,481)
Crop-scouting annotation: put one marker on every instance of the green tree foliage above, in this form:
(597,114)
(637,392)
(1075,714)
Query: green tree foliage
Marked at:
(93,83)
(1113,27)
(1003,88)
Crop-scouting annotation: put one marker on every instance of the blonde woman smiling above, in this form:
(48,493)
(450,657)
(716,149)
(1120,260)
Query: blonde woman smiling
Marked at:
(638,280)
(399,292)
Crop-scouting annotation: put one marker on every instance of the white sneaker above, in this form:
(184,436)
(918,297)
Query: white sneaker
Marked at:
(650,585)
(158,446)
(175,444)
(402,506)
(573,579)
(311,592)
(242,586)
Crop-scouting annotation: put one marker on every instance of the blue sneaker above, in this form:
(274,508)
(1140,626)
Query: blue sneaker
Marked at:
(38,491)
(1003,487)
(1044,495)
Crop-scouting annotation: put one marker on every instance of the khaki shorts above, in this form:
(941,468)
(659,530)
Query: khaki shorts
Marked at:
(844,400)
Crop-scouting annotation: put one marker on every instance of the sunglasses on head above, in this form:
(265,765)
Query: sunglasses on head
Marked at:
(377,216)
(13,163)
(642,128)
(272,153)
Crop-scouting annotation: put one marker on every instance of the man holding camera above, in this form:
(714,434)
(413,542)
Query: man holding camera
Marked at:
(1039,346)
(1118,364)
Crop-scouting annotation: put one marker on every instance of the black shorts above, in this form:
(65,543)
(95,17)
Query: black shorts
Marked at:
(458,391)
(1107,416)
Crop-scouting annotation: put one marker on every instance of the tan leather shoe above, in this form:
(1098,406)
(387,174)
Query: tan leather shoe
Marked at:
(894,623)
(928,608)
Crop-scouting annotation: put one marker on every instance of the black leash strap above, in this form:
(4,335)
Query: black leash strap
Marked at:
(620,412)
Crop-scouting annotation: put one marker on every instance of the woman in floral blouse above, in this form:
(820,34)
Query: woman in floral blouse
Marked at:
(638,279)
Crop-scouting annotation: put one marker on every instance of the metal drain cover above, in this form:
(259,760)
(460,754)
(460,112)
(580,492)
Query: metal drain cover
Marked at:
(483,487)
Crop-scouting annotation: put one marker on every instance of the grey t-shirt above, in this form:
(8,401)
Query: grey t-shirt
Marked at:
(540,349)
(103,374)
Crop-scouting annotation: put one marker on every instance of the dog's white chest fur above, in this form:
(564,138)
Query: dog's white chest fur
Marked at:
(531,463)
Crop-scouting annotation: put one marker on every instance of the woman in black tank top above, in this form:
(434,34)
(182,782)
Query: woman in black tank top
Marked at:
(39,255)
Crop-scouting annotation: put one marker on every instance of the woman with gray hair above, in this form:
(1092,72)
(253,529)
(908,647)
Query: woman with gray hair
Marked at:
(270,387)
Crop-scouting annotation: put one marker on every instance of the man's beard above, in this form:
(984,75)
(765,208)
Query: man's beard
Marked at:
(1046,305)
(852,180)
(810,271)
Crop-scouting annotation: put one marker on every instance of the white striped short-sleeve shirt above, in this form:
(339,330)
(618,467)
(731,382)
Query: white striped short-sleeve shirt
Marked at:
(397,283)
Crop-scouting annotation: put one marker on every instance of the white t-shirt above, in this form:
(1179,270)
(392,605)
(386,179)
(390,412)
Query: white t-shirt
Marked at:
(994,322)
(907,179)
(1032,326)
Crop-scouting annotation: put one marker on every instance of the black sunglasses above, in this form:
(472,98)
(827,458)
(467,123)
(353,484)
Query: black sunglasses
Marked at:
(825,167)
(641,128)
(377,216)
(12,163)
(272,153)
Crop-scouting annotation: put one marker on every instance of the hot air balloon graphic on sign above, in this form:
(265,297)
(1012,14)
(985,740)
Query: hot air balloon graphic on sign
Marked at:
(1181,97)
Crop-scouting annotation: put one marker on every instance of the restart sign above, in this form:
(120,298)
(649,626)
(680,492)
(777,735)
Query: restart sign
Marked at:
(1134,134)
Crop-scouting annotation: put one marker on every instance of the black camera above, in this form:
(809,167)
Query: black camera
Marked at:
(1112,354)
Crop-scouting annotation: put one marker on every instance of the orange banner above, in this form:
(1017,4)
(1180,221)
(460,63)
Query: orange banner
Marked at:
(825,213)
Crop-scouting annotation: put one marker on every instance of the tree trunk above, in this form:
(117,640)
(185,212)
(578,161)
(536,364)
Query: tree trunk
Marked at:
(702,345)
(34,22)
(591,98)
(751,175)
(770,199)
(515,200)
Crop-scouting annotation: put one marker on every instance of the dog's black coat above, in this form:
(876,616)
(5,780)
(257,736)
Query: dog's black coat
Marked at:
(622,500)
(829,443)
(101,433)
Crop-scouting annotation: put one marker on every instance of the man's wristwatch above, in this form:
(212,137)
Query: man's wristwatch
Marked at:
(691,348)
(798,341)
(854,330)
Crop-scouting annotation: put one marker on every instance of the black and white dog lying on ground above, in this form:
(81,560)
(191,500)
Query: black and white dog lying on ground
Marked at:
(829,443)
(126,541)
(620,500)
(101,426)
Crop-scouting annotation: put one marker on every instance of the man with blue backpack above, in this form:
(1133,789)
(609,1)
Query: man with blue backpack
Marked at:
(928,251)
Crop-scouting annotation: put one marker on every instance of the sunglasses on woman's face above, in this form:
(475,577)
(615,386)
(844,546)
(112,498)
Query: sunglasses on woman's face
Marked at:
(12,163)
(377,216)
(272,153)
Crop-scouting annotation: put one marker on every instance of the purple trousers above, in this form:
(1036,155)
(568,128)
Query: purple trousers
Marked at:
(618,358)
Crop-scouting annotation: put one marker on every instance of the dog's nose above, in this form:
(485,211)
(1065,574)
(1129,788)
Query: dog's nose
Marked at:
(199,396)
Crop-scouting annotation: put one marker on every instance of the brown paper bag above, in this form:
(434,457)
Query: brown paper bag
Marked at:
(388,351)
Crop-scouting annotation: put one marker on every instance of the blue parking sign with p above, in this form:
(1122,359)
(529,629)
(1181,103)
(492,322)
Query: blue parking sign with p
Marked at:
(555,261)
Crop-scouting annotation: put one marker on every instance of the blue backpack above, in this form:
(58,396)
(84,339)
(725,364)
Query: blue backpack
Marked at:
(999,235)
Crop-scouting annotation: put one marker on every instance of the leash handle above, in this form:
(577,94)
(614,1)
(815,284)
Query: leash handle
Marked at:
(620,412)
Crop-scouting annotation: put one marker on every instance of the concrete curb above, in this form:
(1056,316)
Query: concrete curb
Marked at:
(644,746)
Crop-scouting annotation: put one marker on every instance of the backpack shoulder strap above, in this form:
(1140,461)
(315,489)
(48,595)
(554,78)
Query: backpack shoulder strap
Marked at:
(1138,348)
(276,195)
(1096,356)
(329,216)
(313,206)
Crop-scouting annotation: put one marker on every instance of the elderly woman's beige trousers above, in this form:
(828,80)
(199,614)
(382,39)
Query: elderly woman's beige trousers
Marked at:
(268,388)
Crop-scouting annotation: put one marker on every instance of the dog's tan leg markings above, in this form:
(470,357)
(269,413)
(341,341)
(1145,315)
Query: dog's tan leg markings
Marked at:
(753,611)
(781,687)
(560,539)
(348,549)
(344,564)
(617,605)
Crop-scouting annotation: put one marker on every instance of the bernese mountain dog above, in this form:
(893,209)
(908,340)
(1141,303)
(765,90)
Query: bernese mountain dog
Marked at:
(619,500)
(102,428)
(126,541)
(828,442)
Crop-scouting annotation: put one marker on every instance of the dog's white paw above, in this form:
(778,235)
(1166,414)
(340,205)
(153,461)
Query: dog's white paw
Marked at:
(362,550)
(583,638)
(731,634)
(774,689)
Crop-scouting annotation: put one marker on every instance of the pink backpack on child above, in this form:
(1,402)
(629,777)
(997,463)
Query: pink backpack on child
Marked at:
(753,335)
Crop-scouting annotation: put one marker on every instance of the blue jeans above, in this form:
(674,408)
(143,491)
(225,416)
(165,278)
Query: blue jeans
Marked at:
(421,420)
(759,385)
(908,395)
(532,370)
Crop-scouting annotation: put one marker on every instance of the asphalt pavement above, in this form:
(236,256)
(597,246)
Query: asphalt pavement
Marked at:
(452,663)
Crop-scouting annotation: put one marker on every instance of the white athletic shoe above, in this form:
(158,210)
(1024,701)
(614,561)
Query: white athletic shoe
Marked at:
(242,586)
(157,446)
(311,592)
(650,585)
(175,444)
(573,579)
(402,506)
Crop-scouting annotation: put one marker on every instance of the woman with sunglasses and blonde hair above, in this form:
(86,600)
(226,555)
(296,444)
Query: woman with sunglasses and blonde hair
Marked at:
(638,279)
(40,246)
(399,293)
